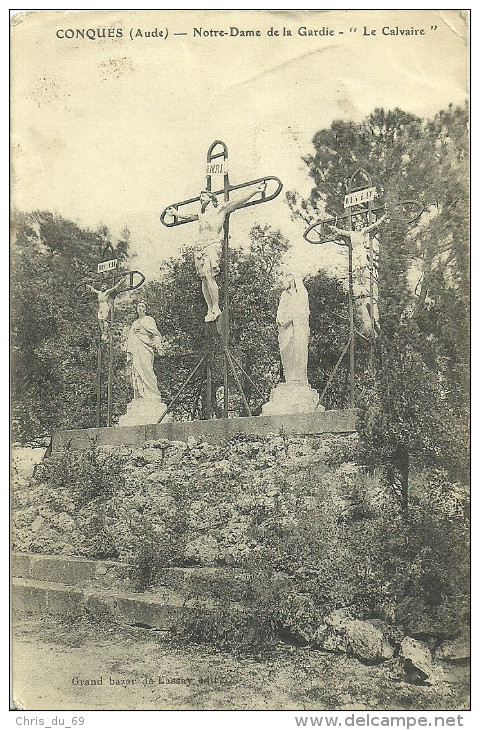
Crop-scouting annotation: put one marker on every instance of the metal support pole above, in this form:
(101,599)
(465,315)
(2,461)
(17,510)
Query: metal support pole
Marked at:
(332,374)
(212,155)
(237,380)
(259,392)
(208,400)
(226,312)
(371,269)
(110,369)
(351,321)
(226,293)
(351,327)
(99,382)
(177,396)
(196,398)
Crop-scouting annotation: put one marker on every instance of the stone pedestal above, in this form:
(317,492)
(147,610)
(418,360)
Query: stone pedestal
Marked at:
(292,398)
(143,411)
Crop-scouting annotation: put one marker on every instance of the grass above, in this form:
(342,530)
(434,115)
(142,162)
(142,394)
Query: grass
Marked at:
(49,653)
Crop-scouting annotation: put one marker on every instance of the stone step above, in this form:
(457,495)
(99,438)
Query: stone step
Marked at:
(70,570)
(165,609)
(214,583)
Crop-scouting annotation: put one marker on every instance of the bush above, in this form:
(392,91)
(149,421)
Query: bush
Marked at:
(84,475)
(247,625)
(229,627)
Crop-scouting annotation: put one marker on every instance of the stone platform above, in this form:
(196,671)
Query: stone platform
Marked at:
(292,398)
(144,410)
(212,431)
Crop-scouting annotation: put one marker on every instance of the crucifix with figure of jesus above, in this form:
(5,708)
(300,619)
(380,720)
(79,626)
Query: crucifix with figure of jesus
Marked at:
(106,283)
(211,210)
(357,229)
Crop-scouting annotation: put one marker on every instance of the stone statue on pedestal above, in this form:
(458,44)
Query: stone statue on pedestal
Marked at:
(294,395)
(143,339)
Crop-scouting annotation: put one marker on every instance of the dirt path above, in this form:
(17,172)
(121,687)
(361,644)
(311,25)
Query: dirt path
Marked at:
(145,670)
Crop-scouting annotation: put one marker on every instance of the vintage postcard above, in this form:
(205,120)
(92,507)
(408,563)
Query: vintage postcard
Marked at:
(240,361)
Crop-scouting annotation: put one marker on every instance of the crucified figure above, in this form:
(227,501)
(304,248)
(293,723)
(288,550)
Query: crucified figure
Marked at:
(208,248)
(105,297)
(359,239)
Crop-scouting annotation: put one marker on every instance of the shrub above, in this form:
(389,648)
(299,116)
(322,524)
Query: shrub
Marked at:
(85,475)
(248,625)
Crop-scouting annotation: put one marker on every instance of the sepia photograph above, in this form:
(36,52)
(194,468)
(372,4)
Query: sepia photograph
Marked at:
(240,363)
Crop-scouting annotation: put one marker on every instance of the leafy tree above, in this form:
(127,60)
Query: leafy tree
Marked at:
(328,336)
(53,333)
(415,402)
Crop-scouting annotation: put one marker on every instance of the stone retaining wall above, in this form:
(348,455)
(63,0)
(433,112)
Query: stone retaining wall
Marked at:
(212,431)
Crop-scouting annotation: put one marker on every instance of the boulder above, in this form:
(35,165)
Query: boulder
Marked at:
(65,523)
(417,659)
(362,639)
(37,524)
(339,617)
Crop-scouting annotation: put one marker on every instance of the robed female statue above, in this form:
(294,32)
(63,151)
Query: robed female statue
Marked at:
(143,340)
(295,394)
(293,316)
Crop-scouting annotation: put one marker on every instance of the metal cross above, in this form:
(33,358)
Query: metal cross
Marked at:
(115,280)
(358,202)
(217,167)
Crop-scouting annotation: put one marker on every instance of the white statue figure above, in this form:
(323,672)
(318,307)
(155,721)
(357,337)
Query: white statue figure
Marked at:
(208,248)
(293,316)
(143,340)
(359,238)
(294,395)
(105,297)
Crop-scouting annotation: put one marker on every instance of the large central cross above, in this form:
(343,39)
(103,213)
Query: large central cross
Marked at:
(186,211)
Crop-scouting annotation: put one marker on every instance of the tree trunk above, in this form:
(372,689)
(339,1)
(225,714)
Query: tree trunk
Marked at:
(397,473)
(402,464)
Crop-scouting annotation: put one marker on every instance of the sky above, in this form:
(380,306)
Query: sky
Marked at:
(114,130)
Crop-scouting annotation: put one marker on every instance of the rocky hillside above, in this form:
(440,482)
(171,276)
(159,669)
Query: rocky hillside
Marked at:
(327,558)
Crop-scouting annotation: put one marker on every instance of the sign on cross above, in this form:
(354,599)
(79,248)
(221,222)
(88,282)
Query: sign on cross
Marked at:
(107,265)
(358,202)
(212,209)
